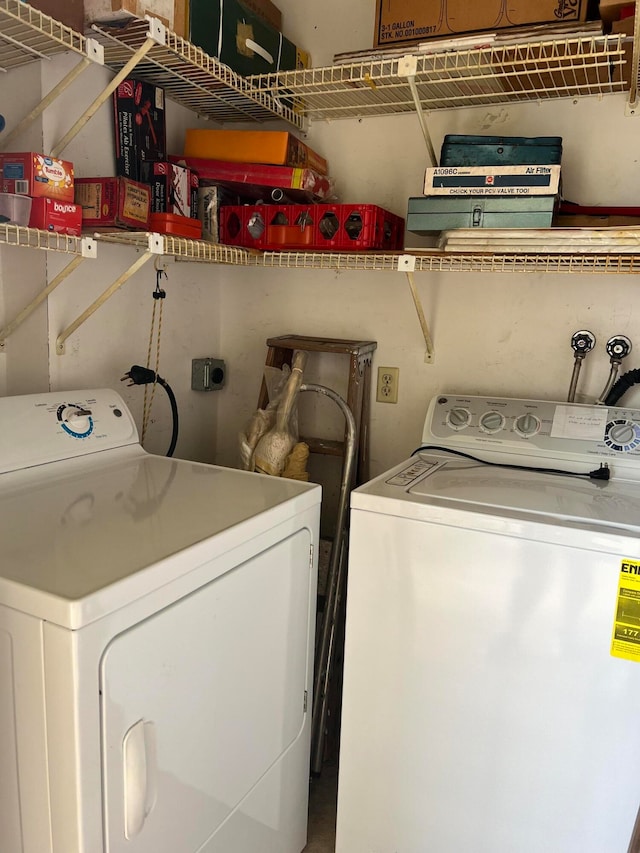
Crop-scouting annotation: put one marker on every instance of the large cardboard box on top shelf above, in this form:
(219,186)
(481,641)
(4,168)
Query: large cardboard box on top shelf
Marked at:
(411,21)
(230,31)
(68,12)
(172,13)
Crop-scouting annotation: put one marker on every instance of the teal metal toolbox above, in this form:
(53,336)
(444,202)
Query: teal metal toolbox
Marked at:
(427,214)
(464,150)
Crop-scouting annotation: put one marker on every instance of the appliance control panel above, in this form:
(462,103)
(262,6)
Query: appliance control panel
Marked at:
(533,427)
(40,428)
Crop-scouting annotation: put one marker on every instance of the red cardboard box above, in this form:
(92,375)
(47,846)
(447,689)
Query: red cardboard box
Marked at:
(256,180)
(63,217)
(113,203)
(140,128)
(29,173)
(171,190)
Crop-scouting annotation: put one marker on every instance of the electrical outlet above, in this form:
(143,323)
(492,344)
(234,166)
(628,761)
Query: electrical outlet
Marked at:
(387,389)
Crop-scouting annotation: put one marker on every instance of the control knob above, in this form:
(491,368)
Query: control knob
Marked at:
(527,425)
(459,418)
(491,422)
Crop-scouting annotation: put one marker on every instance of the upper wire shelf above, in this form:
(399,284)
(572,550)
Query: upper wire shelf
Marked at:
(191,77)
(184,71)
(563,68)
(27,34)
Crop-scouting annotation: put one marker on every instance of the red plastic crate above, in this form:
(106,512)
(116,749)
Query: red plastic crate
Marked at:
(312,227)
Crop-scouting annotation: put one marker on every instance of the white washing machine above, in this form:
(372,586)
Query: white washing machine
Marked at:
(156,624)
(492,659)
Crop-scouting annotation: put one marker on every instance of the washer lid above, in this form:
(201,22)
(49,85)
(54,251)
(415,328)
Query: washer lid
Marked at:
(82,537)
(431,480)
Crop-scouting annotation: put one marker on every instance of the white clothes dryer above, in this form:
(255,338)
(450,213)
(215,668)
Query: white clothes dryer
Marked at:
(156,634)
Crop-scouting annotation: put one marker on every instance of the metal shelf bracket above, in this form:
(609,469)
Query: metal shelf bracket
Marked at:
(407,264)
(157,34)
(89,250)
(94,54)
(633,105)
(155,247)
(408,68)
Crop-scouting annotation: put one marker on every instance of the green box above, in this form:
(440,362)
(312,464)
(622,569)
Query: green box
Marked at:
(241,39)
(441,213)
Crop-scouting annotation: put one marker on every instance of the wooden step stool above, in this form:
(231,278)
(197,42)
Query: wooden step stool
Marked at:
(360,355)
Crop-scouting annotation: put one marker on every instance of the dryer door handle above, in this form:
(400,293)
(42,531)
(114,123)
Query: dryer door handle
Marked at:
(139,756)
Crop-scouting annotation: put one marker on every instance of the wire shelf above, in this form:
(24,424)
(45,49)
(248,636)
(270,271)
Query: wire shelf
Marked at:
(178,247)
(190,76)
(566,68)
(27,34)
(33,238)
(437,261)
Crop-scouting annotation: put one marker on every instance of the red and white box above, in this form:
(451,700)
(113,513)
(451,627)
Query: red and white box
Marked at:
(62,217)
(170,188)
(37,175)
(113,203)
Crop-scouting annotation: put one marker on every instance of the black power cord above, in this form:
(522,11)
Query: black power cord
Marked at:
(144,376)
(601,473)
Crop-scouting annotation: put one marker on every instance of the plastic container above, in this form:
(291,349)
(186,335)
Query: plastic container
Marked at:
(329,227)
(14,209)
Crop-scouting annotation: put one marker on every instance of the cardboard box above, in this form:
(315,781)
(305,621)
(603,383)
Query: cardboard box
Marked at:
(492,180)
(267,11)
(210,201)
(610,10)
(241,39)
(62,217)
(68,12)
(172,13)
(408,21)
(170,186)
(113,203)
(277,147)
(30,173)
(140,129)
(257,181)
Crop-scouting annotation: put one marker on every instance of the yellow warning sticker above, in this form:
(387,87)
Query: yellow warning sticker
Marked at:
(625,642)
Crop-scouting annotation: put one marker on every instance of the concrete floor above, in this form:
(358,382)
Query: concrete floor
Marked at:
(322,812)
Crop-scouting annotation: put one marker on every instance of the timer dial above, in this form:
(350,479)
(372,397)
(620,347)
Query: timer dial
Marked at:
(622,435)
(75,420)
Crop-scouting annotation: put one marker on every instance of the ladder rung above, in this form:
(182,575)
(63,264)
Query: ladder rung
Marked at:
(326,446)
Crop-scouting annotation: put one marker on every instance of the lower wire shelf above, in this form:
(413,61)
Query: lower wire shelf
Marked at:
(429,260)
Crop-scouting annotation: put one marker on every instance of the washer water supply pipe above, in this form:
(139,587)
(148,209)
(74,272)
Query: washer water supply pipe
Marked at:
(618,348)
(336,577)
(582,342)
